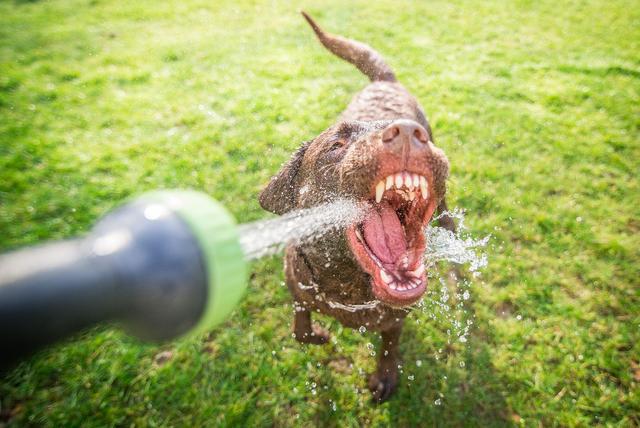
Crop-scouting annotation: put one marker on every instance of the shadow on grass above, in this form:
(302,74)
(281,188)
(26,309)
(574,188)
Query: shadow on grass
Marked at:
(440,395)
(458,386)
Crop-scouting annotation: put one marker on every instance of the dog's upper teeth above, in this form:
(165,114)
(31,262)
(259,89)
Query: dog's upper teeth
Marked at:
(408,181)
(405,184)
(379,191)
(389,182)
(399,180)
(423,188)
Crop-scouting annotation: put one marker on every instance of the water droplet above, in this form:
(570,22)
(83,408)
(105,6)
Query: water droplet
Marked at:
(438,402)
(362,329)
(419,363)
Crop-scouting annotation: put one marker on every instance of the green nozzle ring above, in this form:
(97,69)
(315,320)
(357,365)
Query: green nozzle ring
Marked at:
(217,234)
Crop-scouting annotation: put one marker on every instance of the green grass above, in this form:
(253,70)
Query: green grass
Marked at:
(535,102)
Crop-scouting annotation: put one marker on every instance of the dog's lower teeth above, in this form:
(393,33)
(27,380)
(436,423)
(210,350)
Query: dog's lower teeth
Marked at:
(417,272)
(386,277)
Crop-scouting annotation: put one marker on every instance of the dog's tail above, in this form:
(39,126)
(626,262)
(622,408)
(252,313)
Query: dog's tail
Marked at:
(362,56)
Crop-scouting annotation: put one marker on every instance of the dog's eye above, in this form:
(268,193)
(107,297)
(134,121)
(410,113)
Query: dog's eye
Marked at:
(337,145)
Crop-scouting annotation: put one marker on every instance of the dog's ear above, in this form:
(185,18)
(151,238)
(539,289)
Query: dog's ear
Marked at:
(281,193)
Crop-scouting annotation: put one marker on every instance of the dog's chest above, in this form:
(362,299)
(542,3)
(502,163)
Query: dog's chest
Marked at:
(337,288)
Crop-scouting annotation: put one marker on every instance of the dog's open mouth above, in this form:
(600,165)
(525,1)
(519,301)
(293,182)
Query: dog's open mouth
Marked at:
(389,244)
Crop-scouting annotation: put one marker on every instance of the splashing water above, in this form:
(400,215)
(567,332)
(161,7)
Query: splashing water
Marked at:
(446,300)
(442,302)
(444,245)
(269,237)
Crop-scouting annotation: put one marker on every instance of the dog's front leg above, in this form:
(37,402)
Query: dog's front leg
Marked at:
(305,331)
(384,381)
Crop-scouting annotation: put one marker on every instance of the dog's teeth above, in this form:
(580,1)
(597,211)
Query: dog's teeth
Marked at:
(399,180)
(389,183)
(423,188)
(386,277)
(393,286)
(417,273)
(412,195)
(415,180)
(408,181)
(379,191)
(359,235)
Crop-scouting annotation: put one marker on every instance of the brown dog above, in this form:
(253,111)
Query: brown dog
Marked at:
(380,152)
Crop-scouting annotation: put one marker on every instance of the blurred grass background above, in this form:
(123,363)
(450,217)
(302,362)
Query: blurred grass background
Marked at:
(535,102)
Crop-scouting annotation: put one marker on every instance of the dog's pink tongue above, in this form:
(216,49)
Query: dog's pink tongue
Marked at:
(384,234)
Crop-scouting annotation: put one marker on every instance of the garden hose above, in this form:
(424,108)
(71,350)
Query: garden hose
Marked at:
(164,265)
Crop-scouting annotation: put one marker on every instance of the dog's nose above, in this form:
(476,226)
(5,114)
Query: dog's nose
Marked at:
(404,131)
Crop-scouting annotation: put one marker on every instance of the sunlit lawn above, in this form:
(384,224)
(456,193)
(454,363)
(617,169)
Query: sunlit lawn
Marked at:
(535,102)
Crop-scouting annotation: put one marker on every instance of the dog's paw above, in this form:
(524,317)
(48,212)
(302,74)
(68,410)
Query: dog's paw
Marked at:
(382,386)
(318,336)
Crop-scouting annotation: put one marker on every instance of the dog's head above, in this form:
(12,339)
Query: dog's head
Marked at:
(395,168)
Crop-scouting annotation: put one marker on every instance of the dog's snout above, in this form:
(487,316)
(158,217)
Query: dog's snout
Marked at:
(404,132)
